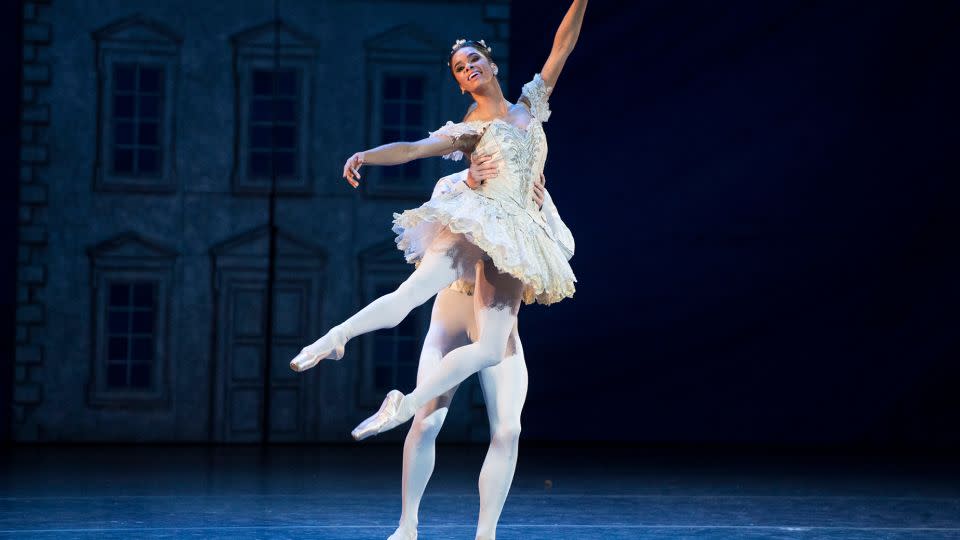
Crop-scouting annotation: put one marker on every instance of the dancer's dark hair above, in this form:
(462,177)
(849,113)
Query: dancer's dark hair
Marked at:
(480,47)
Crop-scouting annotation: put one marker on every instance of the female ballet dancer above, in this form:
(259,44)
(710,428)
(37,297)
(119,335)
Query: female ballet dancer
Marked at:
(452,324)
(491,236)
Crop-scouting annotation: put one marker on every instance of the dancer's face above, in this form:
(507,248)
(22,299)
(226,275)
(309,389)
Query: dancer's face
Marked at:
(471,69)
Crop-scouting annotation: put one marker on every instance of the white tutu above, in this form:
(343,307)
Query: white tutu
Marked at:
(500,216)
(516,244)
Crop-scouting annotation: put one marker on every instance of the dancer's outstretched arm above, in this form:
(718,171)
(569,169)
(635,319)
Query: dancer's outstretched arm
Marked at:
(563,42)
(398,153)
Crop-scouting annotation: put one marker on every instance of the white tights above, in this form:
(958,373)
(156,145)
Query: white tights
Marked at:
(452,325)
(447,360)
(496,301)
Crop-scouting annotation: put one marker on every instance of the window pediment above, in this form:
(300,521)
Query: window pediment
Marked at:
(404,39)
(133,246)
(263,37)
(138,28)
(255,244)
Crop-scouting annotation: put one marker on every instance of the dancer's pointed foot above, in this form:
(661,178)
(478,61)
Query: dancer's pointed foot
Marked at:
(394,411)
(403,533)
(329,346)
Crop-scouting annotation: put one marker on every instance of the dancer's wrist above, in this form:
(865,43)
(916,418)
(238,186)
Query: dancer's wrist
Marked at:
(472,182)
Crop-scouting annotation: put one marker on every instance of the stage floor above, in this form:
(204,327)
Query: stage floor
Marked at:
(352,492)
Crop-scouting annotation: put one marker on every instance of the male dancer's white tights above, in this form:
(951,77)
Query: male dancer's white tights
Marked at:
(496,301)
(452,325)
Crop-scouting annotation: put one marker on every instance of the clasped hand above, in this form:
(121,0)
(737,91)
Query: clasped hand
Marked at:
(483,168)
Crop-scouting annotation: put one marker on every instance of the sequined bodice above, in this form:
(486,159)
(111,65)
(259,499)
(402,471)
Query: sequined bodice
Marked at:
(520,154)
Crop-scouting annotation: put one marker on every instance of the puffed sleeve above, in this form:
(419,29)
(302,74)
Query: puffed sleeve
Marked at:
(536,93)
(463,134)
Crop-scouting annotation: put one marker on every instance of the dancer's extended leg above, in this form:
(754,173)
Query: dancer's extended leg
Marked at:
(504,390)
(450,323)
(496,300)
(437,270)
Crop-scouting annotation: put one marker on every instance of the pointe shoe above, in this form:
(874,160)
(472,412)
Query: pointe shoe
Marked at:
(329,346)
(388,417)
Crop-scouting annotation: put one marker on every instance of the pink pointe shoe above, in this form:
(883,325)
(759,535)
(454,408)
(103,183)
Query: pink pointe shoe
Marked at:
(388,417)
(329,346)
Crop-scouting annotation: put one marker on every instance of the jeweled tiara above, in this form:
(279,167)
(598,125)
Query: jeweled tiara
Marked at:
(459,43)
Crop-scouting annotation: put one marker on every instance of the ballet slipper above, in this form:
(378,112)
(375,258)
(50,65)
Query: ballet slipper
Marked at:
(329,346)
(393,412)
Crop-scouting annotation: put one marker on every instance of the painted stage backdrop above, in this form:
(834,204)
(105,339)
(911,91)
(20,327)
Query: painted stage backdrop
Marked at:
(151,131)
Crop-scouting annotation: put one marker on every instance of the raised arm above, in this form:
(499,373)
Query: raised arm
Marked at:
(563,42)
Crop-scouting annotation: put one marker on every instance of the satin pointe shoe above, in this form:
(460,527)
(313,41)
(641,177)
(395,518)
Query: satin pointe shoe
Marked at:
(388,417)
(329,346)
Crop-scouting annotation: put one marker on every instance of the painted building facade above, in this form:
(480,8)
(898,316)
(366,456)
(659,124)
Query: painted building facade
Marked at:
(151,135)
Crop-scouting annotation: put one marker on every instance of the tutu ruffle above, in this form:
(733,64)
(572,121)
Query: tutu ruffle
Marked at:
(517,243)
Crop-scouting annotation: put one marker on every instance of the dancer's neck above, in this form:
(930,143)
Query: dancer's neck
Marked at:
(490,102)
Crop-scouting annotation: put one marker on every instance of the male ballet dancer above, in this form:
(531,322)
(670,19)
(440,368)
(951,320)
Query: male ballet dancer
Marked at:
(452,324)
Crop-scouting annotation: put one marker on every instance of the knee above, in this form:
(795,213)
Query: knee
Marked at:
(493,352)
(507,434)
(426,429)
(493,359)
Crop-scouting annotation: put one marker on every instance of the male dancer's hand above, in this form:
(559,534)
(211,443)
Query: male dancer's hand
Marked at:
(482,168)
(539,188)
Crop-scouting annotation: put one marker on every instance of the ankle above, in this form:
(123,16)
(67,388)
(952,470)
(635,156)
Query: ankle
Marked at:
(408,407)
(344,331)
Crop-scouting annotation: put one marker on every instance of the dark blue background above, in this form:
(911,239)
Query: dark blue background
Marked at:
(11,51)
(765,200)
